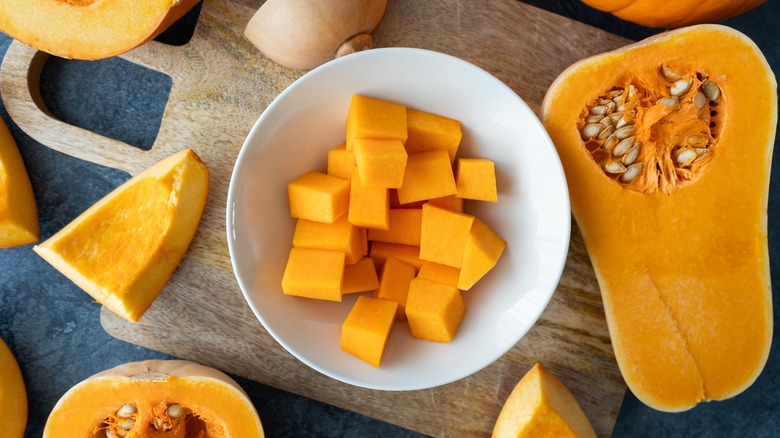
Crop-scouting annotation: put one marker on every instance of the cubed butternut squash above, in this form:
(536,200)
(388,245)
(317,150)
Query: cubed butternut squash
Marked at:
(375,118)
(428,175)
(476,179)
(365,332)
(439,273)
(380,251)
(341,162)
(380,162)
(338,236)
(428,131)
(360,277)
(434,310)
(314,273)
(369,206)
(318,197)
(443,235)
(481,253)
(404,227)
(394,284)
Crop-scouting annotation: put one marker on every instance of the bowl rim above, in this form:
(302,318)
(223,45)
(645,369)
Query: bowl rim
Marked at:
(277,101)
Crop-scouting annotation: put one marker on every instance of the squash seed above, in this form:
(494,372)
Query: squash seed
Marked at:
(631,172)
(699,100)
(696,140)
(711,89)
(606,132)
(680,86)
(623,146)
(126,411)
(598,110)
(685,156)
(669,101)
(631,155)
(614,167)
(590,130)
(593,119)
(625,131)
(610,142)
(176,411)
(615,117)
(670,74)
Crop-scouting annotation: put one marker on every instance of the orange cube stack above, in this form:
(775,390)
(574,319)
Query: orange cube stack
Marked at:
(388,219)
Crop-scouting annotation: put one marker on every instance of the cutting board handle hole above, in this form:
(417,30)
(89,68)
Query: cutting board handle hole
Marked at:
(181,31)
(111,97)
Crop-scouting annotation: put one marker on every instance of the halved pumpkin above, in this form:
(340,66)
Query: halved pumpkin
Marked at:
(88,29)
(653,13)
(18,214)
(667,147)
(124,248)
(155,398)
(13,396)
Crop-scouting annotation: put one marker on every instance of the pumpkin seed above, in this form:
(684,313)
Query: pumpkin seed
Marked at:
(668,101)
(625,131)
(606,132)
(685,156)
(593,119)
(110,434)
(176,411)
(631,155)
(680,86)
(623,146)
(606,121)
(605,101)
(700,151)
(615,117)
(711,89)
(614,94)
(696,140)
(631,172)
(590,130)
(631,92)
(599,110)
(126,411)
(699,100)
(614,167)
(610,142)
(670,74)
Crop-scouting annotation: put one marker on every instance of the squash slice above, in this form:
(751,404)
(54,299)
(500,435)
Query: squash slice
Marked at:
(667,147)
(155,398)
(123,249)
(13,396)
(18,214)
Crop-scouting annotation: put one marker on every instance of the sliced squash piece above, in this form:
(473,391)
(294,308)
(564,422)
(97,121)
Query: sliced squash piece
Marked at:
(541,406)
(88,29)
(155,398)
(13,396)
(667,147)
(18,214)
(123,249)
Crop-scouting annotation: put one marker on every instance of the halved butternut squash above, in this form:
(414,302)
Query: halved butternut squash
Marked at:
(667,147)
(13,396)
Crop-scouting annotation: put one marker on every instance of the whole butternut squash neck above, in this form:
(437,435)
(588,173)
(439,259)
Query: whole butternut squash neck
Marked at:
(654,130)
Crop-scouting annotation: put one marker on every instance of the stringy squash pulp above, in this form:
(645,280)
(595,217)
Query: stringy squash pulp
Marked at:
(667,148)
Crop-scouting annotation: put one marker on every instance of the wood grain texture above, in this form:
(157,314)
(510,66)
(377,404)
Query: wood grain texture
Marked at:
(221,84)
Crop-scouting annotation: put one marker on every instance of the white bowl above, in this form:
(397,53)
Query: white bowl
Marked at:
(293,135)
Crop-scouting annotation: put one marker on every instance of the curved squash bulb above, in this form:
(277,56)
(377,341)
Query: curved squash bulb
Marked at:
(13,397)
(652,13)
(667,148)
(155,398)
(124,248)
(88,29)
(18,214)
(306,33)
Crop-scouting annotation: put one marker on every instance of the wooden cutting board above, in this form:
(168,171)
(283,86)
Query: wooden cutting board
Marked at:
(221,84)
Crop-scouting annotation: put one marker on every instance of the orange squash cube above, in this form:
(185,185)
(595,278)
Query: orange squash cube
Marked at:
(481,253)
(394,283)
(375,118)
(395,203)
(439,273)
(476,179)
(318,197)
(369,206)
(443,235)
(434,310)
(428,175)
(380,162)
(404,227)
(428,131)
(380,251)
(341,162)
(365,332)
(314,273)
(360,277)
(338,236)
(452,203)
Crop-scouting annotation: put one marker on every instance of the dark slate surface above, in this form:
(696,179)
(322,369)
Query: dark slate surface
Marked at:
(53,327)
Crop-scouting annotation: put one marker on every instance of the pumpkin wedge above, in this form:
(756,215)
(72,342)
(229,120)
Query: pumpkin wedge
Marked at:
(155,398)
(88,29)
(123,249)
(667,147)
(541,406)
(13,396)
(18,214)
(653,13)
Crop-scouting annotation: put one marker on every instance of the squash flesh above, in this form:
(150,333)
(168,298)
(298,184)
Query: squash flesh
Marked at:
(684,274)
(18,213)
(13,395)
